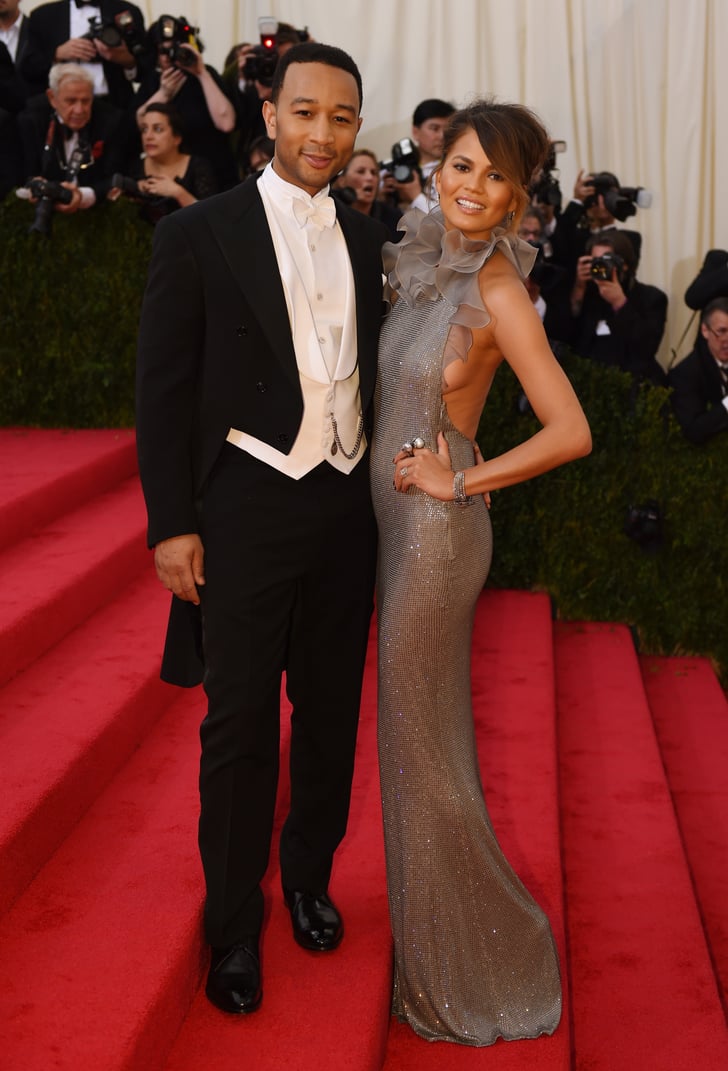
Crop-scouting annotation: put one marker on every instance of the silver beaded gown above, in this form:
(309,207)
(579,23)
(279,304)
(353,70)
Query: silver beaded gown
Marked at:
(475,958)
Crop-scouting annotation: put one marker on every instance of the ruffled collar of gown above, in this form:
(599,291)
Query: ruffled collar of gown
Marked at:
(430,261)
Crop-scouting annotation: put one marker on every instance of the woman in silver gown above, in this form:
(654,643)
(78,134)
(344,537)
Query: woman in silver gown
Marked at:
(474,955)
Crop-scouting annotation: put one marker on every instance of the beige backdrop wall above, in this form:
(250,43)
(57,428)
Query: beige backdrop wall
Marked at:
(630,85)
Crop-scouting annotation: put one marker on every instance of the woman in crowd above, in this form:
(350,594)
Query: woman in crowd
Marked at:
(182,78)
(474,955)
(361,177)
(165,172)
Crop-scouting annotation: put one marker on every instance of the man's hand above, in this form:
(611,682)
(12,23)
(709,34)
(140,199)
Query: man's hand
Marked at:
(584,186)
(79,49)
(75,202)
(612,292)
(179,565)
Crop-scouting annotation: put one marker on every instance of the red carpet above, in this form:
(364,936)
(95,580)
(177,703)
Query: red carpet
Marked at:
(643,991)
(100,884)
(690,712)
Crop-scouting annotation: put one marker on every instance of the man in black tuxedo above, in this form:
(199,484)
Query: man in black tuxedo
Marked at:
(617,320)
(70,136)
(57,32)
(256,369)
(700,382)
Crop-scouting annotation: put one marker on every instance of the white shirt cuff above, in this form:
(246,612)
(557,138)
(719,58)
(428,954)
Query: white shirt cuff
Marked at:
(88,196)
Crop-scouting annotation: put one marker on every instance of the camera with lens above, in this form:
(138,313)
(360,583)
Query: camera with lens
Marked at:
(644,524)
(620,201)
(117,31)
(153,205)
(130,187)
(48,194)
(602,267)
(179,39)
(260,65)
(261,62)
(545,188)
(404,161)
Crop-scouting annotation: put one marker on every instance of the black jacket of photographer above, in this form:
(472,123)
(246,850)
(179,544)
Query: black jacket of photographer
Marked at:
(106,138)
(634,331)
(697,396)
(50,26)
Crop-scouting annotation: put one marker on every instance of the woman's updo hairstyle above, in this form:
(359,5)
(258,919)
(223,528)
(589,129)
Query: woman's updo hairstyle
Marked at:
(513,138)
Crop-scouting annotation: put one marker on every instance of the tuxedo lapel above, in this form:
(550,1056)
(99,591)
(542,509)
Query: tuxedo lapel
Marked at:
(241,229)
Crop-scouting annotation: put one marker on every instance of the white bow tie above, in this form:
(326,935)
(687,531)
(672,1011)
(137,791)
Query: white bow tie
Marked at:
(321,213)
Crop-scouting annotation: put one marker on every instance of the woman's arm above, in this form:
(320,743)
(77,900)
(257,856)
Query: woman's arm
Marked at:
(220,108)
(517,332)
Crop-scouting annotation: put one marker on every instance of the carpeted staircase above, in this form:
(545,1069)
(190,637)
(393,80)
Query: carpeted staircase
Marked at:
(605,773)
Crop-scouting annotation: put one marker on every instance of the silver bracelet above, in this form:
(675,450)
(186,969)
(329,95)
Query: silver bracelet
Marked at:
(458,490)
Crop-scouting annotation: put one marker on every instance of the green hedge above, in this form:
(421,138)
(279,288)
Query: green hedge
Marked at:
(564,532)
(70,313)
(71,308)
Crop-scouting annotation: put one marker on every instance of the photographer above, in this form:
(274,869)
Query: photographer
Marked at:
(73,139)
(615,319)
(196,89)
(165,178)
(60,32)
(700,382)
(428,127)
(592,211)
(247,80)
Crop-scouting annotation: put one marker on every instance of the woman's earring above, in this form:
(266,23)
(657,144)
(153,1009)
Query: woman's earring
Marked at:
(510,216)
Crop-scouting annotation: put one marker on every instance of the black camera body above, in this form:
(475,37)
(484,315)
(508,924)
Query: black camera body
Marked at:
(602,267)
(179,38)
(644,524)
(545,188)
(260,65)
(48,195)
(116,31)
(620,201)
(404,161)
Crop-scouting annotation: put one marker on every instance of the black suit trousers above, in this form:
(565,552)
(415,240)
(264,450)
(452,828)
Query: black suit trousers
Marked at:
(289,567)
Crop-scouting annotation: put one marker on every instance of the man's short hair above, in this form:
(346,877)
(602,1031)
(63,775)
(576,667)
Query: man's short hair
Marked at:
(60,72)
(718,304)
(313,52)
(433,108)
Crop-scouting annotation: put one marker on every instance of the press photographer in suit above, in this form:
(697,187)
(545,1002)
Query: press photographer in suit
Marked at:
(700,382)
(617,320)
(256,369)
(60,33)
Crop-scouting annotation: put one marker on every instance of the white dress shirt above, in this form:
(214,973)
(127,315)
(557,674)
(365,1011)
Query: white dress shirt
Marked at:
(11,36)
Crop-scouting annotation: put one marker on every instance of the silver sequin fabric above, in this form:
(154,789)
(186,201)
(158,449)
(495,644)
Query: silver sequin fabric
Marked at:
(475,958)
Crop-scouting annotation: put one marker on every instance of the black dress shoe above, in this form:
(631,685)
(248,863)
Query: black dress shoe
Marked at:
(233,982)
(317,924)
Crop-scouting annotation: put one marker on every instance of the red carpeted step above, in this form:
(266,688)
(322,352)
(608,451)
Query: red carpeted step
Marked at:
(57,578)
(329,1011)
(47,472)
(513,700)
(690,713)
(101,954)
(69,721)
(643,991)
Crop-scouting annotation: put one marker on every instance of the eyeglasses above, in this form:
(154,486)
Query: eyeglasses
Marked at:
(720,334)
